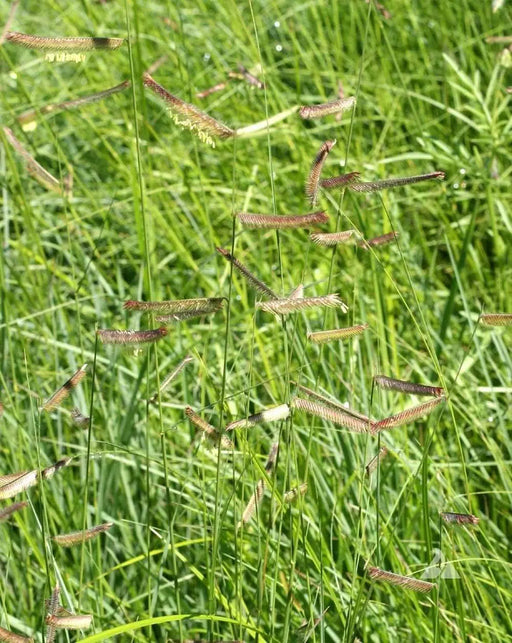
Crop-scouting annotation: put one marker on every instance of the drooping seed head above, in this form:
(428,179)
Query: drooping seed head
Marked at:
(340,181)
(381,240)
(496,319)
(337,416)
(61,394)
(375,186)
(323,336)
(281,221)
(331,238)
(11,509)
(62,44)
(325,109)
(251,279)
(202,305)
(313,179)
(459,519)
(384,382)
(402,581)
(407,416)
(131,337)
(288,306)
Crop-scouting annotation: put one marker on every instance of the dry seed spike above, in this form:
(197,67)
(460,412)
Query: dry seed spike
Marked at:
(18,483)
(281,221)
(251,279)
(323,336)
(340,181)
(11,637)
(331,238)
(287,306)
(77,537)
(384,382)
(409,415)
(13,508)
(332,415)
(208,429)
(201,304)
(403,581)
(250,78)
(70,622)
(132,337)
(496,319)
(313,179)
(170,377)
(325,109)
(459,519)
(374,186)
(62,44)
(374,462)
(65,389)
(381,240)
(332,403)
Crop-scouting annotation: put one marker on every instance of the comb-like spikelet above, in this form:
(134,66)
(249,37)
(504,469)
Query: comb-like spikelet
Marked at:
(409,415)
(11,637)
(65,389)
(374,186)
(209,430)
(316,170)
(8,511)
(496,319)
(53,608)
(459,519)
(281,221)
(332,415)
(294,493)
(62,44)
(374,462)
(189,116)
(324,109)
(251,279)
(33,167)
(201,304)
(132,337)
(15,483)
(333,403)
(31,115)
(77,537)
(403,581)
(379,241)
(280,412)
(170,377)
(256,497)
(323,336)
(184,316)
(340,181)
(287,306)
(70,622)
(331,238)
(384,382)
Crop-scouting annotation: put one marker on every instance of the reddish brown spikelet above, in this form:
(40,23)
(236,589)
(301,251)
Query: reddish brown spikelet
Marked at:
(11,637)
(251,279)
(459,519)
(384,382)
(316,170)
(331,238)
(33,167)
(209,430)
(77,537)
(403,581)
(61,394)
(375,186)
(202,305)
(13,508)
(496,319)
(333,403)
(189,116)
(131,337)
(281,221)
(62,44)
(409,415)
(324,109)
(323,336)
(31,115)
(340,181)
(337,416)
(381,240)
(211,90)
(287,306)
(374,462)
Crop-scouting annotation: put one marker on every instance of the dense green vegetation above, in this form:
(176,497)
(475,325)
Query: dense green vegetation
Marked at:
(150,203)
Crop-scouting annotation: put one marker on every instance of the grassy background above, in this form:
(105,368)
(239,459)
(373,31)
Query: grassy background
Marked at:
(150,203)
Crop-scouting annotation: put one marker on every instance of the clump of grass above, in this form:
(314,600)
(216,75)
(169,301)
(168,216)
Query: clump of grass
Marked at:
(46,43)
(281,221)
(402,581)
(324,336)
(57,398)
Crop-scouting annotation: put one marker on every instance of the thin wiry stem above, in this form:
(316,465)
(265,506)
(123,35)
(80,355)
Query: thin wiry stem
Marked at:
(331,238)
(384,382)
(33,167)
(324,109)
(209,430)
(11,637)
(313,179)
(201,304)
(256,497)
(171,377)
(62,44)
(13,508)
(293,494)
(251,279)
(340,181)
(281,221)
(381,240)
(403,581)
(459,519)
(277,413)
(189,116)
(61,394)
(374,186)
(409,415)
(332,415)
(287,306)
(31,115)
(77,537)
(323,336)
(496,319)
(374,462)
(131,337)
